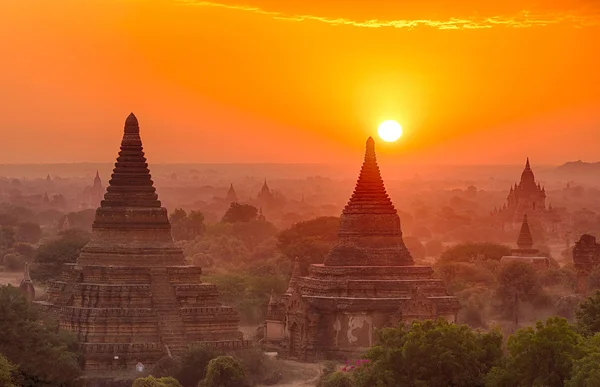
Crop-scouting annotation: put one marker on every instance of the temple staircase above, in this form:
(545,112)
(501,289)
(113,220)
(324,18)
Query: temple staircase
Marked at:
(170,324)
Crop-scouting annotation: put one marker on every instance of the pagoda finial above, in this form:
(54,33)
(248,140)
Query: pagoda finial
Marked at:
(132,125)
(527,166)
(296,273)
(525,240)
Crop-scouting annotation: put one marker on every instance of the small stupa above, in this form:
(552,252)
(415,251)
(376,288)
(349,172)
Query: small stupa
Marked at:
(525,251)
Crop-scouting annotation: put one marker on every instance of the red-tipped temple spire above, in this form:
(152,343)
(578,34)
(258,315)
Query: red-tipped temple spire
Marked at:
(369,232)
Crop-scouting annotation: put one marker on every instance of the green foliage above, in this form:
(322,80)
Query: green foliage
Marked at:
(166,366)
(310,241)
(28,232)
(7,369)
(540,356)
(53,254)
(469,252)
(337,379)
(45,354)
(193,365)
(186,226)
(593,279)
(588,315)
(517,279)
(586,371)
(224,371)
(249,294)
(254,232)
(430,353)
(151,381)
(240,213)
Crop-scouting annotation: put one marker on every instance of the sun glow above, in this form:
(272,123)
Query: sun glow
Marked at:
(390,131)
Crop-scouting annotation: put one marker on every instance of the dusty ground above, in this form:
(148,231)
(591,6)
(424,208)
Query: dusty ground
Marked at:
(299,374)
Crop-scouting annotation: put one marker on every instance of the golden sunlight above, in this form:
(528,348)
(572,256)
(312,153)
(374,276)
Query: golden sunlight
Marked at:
(389,131)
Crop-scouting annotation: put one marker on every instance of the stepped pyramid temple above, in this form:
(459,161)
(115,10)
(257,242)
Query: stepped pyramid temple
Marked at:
(131,297)
(368,281)
(525,251)
(527,197)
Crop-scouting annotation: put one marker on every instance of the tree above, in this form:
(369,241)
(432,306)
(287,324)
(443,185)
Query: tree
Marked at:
(254,232)
(430,353)
(469,252)
(224,371)
(586,371)
(151,381)
(186,226)
(517,282)
(588,315)
(28,232)
(7,369)
(240,213)
(193,365)
(538,356)
(46,356)
(53,254)
(310,241)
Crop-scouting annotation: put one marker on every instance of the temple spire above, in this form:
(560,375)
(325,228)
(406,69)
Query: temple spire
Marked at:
(296,274)
(26,285)
(131,184)
(527,166)
(369,233)
(525,240)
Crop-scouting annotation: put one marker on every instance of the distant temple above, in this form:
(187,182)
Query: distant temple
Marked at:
(586,257)
(231,195)
(26,285)
(368,281)
(527,197)
(131,297)
(265,195)
(45,198)
(92,195)
(525,251)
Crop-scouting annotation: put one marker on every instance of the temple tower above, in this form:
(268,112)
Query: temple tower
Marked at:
(231,195)
(525,251)
(368,281)
(131,297)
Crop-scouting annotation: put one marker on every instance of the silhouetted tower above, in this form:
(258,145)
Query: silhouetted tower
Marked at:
(231,195)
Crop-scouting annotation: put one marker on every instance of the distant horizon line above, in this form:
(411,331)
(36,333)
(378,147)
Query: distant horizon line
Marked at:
(286,163)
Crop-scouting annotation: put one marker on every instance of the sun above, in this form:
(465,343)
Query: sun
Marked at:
(389,131)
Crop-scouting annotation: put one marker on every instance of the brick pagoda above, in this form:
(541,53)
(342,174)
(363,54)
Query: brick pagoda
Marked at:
(368,281)
(131,297)
(525,251)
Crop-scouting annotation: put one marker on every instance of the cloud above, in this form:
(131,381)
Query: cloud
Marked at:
(524,19)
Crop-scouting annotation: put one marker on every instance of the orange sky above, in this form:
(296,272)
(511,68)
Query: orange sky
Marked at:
(300,80)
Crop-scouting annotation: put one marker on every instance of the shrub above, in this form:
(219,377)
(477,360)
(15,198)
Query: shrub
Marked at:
(193,365)
(151,381)
(224,371)
(166,366)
